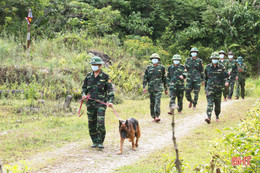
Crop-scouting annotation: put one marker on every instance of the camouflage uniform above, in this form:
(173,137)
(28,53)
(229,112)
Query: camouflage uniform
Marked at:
(225,90)
(195,76)
(99,88)
(241,80)
(155,77)
(175,84)
(214,79)
(232,68)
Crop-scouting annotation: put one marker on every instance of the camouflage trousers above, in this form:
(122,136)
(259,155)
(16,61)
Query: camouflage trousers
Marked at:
(240,85)
(192,85)
(214,98)
(179,94)
(155,103)
(231,88)
(225,92)
(96,122)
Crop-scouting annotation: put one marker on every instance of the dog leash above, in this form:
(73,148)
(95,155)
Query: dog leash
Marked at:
(88,98)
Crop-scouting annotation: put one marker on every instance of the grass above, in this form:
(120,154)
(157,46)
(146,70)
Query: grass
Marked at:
(194,147)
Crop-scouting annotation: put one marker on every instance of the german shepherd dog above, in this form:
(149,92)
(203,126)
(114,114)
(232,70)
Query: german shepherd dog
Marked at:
(129,129)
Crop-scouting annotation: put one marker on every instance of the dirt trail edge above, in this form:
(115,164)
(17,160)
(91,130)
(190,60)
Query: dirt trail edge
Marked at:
(80,158)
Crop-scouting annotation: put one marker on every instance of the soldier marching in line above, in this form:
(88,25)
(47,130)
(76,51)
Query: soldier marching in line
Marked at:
(195,76)
(232,72)
(241,82)
(224,62)
(215,76)
(155,78)
(175,80)
(98,85)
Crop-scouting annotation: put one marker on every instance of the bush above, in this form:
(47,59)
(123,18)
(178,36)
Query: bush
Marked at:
(142,48)
(252,87)
(237,143)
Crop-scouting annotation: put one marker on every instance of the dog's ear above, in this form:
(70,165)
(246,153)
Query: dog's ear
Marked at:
(126,123)
(120,122)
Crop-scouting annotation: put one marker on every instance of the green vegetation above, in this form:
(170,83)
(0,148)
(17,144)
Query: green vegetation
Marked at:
(64,33)
(238,142)
(174,26)
(125,33)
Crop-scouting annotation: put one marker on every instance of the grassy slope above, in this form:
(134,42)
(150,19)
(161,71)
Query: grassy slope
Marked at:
(193,148)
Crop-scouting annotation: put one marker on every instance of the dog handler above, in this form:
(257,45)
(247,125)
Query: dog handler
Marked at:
(156,79)
(98,85)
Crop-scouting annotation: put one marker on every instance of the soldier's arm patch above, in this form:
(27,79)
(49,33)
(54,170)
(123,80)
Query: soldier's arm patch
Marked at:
(109,81)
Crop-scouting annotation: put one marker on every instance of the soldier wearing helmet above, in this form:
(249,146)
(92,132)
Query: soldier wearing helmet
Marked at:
(215,76)
(98,85)
(156,79)
(224,62)
(241,82)
(195,76)
(232,72)
(175,80)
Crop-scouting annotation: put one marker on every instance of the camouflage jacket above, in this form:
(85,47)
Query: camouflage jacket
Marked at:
(155,77)
(232,68)
(194,69)
(215,77)
(242,75)
(173,76)
(224,63)
(99,88)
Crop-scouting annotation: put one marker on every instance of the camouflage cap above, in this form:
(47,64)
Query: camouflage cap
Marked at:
(176,57)
(240,58)
(194,49)
(96,60)
(155,55)
(222,51)
(214,55)
(230,53)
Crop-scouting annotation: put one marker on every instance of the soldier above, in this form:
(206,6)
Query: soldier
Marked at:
(242,70)
(175,80)
(195,75)
(232,72)
(215,76)
(224,62)
(98,85)
(155,77)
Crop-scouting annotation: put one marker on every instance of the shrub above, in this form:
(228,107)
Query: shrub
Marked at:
(239,142)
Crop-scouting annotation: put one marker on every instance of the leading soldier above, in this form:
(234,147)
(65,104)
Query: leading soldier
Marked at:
(215,76)
(155,78)
(195,75)
(98,85)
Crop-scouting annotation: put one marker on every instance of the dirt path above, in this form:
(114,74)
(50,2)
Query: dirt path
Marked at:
(79,157)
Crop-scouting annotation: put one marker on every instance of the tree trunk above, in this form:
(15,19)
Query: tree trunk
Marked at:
(177,160)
